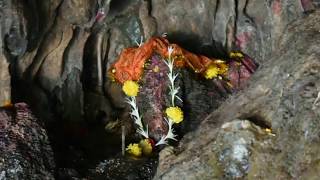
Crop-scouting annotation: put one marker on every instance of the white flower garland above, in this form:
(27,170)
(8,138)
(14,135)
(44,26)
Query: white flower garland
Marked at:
(173,91)
(136,116)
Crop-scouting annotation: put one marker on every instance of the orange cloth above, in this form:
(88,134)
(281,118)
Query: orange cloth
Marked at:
(130,64)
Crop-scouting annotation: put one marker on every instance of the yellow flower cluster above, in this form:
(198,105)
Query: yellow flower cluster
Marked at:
(144,147)
(134,149)
(211,72)
(223,67)
(218,67)
(175,114)
(130,88)
(236,55)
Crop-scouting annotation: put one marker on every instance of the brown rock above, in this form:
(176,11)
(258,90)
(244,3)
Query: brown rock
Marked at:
(5,85)
(282,96)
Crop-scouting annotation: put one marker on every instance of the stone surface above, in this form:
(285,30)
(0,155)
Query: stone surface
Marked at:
(56,54)
(5,79)
(282,96)
(200,97)
(77,12)
(25,149)
(227,157)
(124,168)
(192,22)
(46,42)
(251,26)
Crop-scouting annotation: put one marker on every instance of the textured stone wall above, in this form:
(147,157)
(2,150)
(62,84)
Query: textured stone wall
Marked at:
(54,54)
(5,88)
(25,149)
(54,46)
(269,131)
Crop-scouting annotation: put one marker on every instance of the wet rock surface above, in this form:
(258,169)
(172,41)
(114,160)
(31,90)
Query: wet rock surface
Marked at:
(26,152)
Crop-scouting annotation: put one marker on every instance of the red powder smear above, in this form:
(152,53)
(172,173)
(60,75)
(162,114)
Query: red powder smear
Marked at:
(250,65)
(242,39)
(100,15)
(238,75)
(276,7)
(307,5)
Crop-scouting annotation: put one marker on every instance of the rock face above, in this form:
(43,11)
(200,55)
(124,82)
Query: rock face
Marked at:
(25,149)
(62,49)
(251,26)
(124,168)
(283,96)
(55,54)
(5,90)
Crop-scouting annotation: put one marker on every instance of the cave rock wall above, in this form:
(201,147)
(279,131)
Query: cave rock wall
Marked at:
(56,53)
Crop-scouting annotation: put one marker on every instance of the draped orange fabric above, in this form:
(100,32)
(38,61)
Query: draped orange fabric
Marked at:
(131,61)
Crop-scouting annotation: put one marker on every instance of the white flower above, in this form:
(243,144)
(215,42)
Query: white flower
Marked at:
(170,50)
(170,134)
(136,116)
(139,44)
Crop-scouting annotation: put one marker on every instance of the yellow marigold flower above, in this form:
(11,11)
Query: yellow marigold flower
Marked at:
(175,114)
(223,68)
(134,150)
(236,55)
(130,88)
(146,146)
(211,72)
